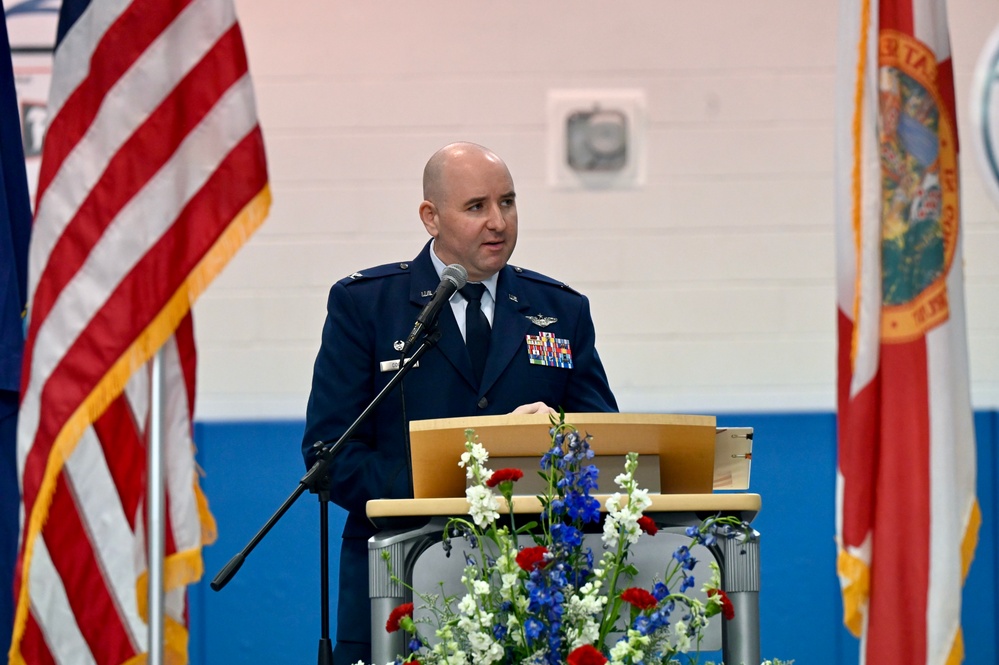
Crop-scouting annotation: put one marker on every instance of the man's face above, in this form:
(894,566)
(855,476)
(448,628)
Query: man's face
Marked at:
(475,219)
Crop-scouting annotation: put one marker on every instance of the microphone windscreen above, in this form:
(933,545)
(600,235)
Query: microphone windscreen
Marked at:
(455,273)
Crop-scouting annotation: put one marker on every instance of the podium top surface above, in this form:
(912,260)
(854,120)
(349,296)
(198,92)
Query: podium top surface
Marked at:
(579,420)
(746,504)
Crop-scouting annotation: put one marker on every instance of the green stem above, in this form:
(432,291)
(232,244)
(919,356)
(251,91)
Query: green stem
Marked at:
(611,617)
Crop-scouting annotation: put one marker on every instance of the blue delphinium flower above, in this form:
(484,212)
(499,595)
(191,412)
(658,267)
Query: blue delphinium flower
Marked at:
(583,507)
(555,643)
(566,536)
(533,628)
(588,477)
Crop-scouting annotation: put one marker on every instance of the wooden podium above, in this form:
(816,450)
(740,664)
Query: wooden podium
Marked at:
(685,447)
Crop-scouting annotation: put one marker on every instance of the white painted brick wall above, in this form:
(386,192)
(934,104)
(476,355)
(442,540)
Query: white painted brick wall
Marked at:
(712,285)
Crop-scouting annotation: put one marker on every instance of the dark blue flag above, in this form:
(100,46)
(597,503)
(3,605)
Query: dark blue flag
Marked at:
(15,226)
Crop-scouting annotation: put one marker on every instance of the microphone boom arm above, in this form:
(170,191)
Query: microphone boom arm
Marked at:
(315,476)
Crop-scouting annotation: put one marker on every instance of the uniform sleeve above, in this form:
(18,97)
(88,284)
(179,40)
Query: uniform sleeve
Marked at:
(343,384)
(589,391)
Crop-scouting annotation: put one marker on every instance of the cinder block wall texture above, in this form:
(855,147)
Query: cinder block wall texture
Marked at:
(712,280)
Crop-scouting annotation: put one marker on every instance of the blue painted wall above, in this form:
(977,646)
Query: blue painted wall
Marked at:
(269,612)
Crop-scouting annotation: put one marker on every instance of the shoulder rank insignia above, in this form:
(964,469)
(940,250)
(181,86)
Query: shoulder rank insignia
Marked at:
(356,275)
(541,321)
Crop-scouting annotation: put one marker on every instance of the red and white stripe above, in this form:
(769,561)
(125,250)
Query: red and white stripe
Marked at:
(907,515)
(153,175)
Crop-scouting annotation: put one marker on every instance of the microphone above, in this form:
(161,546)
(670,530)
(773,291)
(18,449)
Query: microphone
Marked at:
(453,277)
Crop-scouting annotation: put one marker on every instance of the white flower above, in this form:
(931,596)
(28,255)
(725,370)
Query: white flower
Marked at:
(619,652)
(509,582)
(474,457)
(482,505)
(682,637)
(580,612)
(631,647)
(467,605)
(478,453)
(621,522)
(464,462)
(639,500)
(715,581)
(480,641)
(494,653)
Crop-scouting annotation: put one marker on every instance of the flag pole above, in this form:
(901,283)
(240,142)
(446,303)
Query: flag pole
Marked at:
(156,513)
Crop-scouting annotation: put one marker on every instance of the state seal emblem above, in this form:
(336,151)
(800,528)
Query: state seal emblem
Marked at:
(919,203)
(985,114)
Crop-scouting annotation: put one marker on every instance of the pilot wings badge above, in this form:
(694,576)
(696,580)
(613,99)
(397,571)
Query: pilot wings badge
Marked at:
(541,321)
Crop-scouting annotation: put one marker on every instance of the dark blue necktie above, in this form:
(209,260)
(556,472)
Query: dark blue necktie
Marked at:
(477,328)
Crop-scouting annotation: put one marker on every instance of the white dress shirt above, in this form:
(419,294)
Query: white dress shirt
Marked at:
(458,302)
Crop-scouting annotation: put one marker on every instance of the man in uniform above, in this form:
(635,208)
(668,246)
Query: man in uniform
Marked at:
(470,212)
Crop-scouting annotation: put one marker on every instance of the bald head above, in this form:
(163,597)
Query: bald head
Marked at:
(470,208)
(442,163)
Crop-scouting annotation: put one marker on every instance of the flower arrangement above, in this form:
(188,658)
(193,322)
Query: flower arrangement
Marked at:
(554,602)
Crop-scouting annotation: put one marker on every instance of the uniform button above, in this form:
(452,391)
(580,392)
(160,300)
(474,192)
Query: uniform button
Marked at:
(518,269)
(404,266)
(483,403)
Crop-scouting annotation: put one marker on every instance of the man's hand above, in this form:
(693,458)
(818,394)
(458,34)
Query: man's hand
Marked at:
(536,407)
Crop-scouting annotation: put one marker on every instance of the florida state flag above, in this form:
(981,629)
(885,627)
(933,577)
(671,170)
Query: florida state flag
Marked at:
(907,516)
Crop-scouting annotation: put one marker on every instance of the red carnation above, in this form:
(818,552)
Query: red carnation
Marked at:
(530,558)
(512,475)
(397,615)
(727,610)
(640,598)
(648,525)
(585,655)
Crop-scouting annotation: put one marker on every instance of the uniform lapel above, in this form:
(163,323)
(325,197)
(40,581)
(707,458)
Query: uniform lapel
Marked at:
(424,282)
(510,325)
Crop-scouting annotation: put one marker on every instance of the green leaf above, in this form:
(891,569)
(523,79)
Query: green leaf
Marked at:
(527,527)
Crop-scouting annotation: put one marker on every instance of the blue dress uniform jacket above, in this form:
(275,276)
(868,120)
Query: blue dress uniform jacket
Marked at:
(367,314)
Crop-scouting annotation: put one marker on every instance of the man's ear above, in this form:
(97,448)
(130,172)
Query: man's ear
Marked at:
(428,215)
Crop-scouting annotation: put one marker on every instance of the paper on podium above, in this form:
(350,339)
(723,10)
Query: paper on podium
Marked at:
(685,446)
(733,457)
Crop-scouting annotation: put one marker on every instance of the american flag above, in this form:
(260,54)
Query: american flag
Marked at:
(153,175)
(907,514)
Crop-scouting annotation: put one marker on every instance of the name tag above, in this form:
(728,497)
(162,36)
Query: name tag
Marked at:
(393,365)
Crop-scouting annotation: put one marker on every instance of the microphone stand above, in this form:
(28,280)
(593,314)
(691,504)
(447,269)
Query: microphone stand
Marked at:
(316,480)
